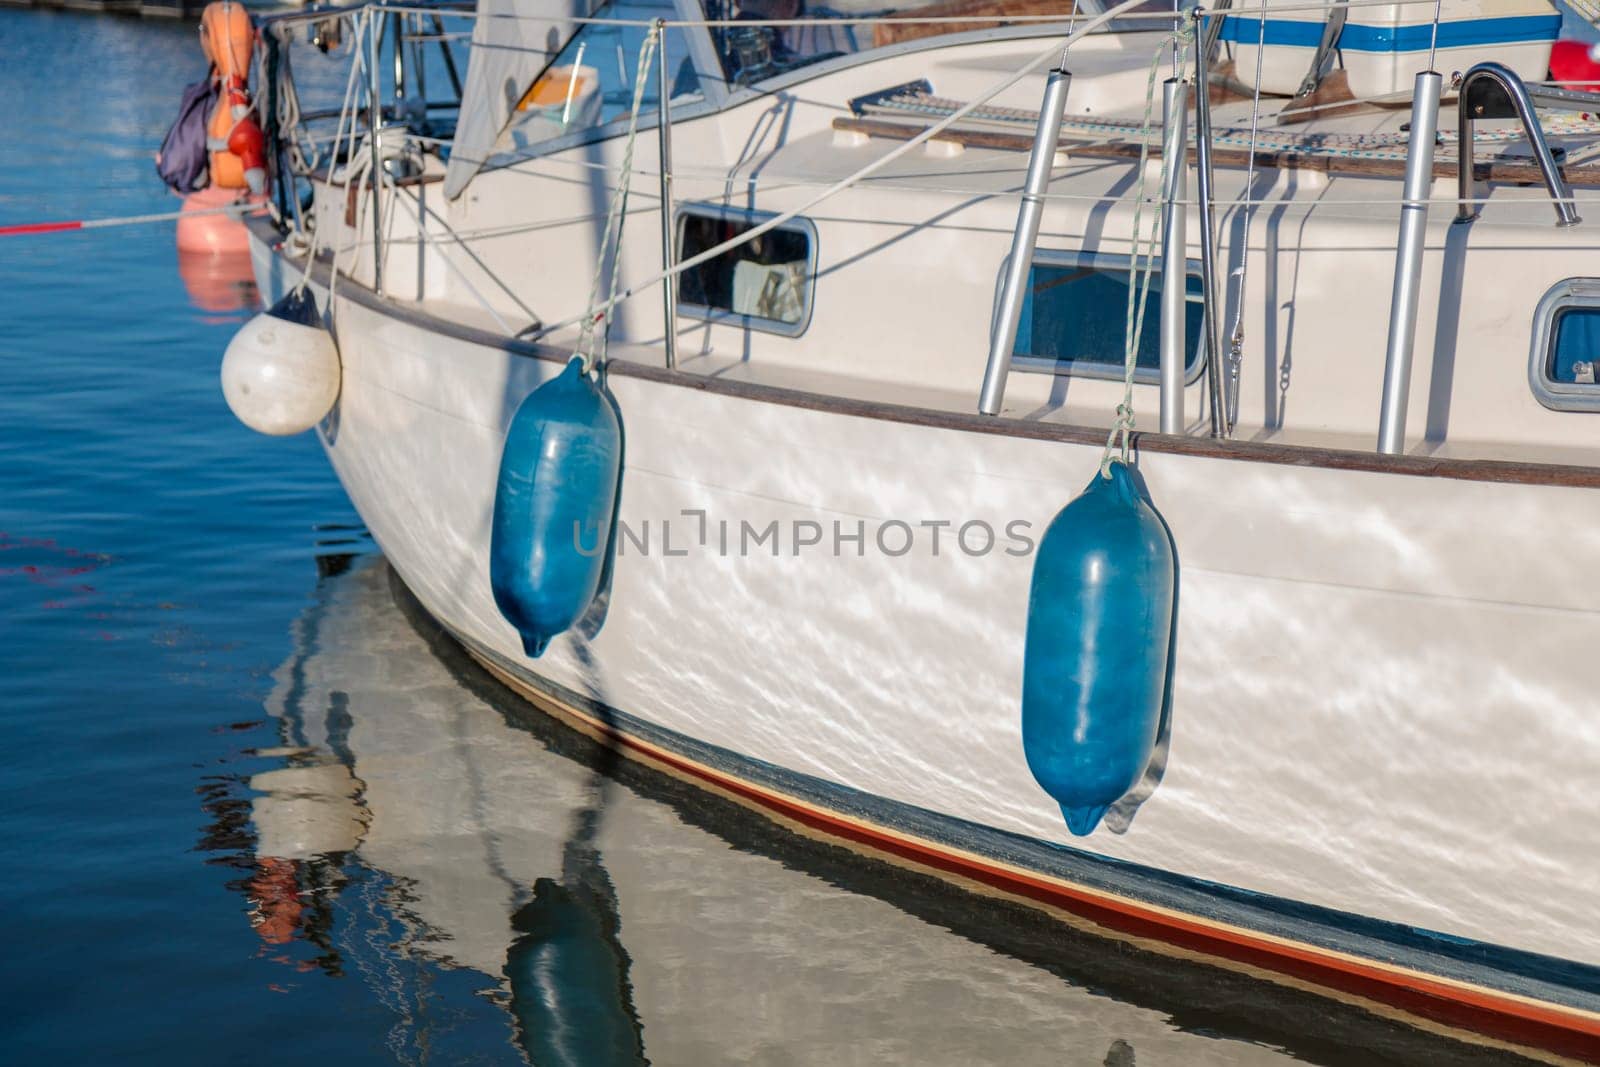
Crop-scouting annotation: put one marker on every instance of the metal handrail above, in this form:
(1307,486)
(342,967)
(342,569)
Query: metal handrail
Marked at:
(1003,337)
(1174,252)
(1478,99)
(1407,291)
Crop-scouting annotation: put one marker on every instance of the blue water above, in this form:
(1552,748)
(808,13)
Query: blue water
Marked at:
(255,810)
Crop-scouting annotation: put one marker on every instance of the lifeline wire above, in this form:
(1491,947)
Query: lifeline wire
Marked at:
(346,108)
(358,172)
(1433,40)
(849,180)
(363,166)
(853,20)
(1236,335)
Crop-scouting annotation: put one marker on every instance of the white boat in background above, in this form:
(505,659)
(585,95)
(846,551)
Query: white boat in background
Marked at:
(847,425)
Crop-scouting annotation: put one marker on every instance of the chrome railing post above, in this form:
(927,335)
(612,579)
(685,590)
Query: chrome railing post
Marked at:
(669,284)
(374,133)
(1046,138)
(1174,252)
(1408,262)
(1205,178)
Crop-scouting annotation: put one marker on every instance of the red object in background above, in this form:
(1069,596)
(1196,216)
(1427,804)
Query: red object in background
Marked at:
(1571,66)
(275,891)
(246,140)
(250,145)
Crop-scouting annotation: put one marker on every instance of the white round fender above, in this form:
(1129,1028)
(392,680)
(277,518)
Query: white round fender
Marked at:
(281,374)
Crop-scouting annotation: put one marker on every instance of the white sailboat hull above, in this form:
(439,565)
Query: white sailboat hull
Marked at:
(1384,701)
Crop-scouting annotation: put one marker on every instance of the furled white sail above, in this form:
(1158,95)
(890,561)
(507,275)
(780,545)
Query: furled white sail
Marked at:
(512,42)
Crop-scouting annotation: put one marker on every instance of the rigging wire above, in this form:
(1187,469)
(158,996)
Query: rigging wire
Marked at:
(857,176)
(1242,272)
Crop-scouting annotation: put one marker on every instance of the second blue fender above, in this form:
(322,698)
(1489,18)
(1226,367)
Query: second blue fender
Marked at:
(1094,672)
(553,506)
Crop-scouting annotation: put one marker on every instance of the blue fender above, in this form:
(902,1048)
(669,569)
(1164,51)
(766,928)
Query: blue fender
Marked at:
(553,506)
(1094,673)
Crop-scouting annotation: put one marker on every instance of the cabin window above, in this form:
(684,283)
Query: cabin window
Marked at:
(1075,315)
(764,284)
(1564,366)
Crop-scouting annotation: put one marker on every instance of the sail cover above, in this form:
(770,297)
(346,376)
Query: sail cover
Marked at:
(513,41)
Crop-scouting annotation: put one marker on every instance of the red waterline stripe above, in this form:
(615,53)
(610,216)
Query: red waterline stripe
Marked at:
(1476,1009)
(41,227)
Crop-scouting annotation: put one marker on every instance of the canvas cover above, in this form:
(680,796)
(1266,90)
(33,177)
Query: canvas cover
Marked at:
(513,41)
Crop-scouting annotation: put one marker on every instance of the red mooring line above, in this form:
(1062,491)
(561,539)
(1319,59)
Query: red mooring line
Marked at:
(24,228)
(40,227)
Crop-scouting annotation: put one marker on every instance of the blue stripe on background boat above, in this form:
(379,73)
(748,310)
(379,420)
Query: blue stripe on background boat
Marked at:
(1359,37)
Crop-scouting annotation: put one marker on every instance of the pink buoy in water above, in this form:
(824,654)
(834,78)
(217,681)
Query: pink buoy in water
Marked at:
(217,233)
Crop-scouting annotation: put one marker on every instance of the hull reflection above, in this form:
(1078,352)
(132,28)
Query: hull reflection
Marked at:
(219,282)
(412,821)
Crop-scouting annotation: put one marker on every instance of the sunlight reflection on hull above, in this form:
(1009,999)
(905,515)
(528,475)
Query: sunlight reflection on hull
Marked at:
(1374,712)
(729,955)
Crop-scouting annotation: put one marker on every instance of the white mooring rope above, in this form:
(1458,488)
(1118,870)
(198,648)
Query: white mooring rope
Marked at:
(596,328)
(1139,277)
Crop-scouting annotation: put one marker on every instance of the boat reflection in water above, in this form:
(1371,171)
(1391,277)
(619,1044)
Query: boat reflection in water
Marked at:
(419,828)
(219,282)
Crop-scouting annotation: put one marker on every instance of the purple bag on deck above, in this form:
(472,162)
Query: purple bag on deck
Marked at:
(182,162)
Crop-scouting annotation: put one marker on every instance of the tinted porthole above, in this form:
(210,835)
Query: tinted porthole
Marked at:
(764,283)
(1576,346)
(1074,320)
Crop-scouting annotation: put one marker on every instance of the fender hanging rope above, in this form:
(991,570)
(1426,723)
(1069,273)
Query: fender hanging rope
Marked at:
(596,328)
(1139,275)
